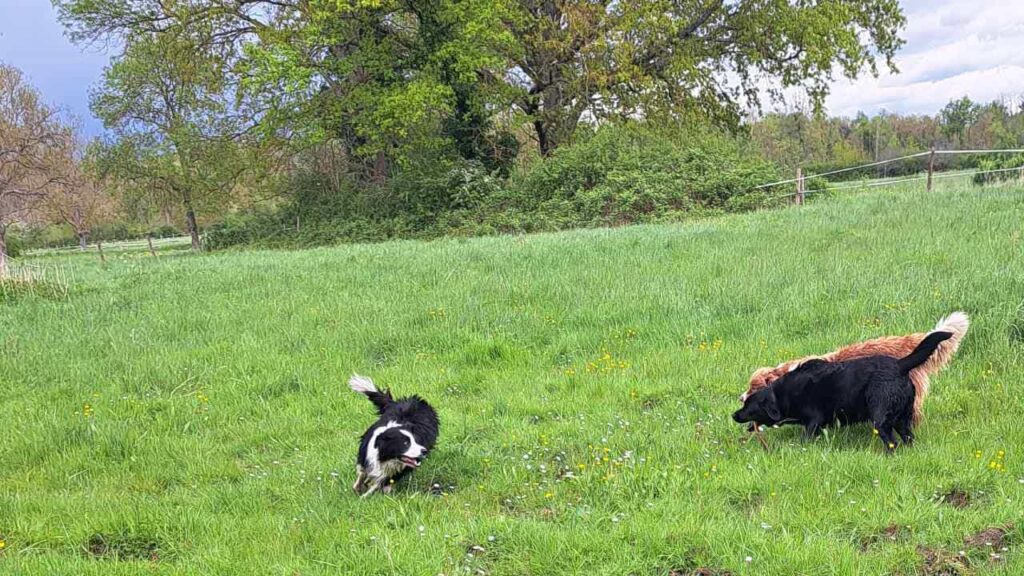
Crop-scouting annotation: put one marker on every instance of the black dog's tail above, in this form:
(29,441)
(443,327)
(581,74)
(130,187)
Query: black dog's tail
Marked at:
(923,351)
(364,385)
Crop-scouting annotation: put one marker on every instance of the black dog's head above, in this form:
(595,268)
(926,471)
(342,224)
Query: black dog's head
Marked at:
(400,444)
(761,407)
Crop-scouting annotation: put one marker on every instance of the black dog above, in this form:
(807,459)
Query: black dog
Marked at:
(397,443)
(817,393)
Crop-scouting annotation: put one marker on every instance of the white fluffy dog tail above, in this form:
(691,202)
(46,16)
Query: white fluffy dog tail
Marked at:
(361,384)
(365,386)
(956,323)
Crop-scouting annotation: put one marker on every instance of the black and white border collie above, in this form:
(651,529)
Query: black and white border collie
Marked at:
(397,442)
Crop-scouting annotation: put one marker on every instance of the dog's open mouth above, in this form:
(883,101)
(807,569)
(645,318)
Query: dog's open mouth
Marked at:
(410,462)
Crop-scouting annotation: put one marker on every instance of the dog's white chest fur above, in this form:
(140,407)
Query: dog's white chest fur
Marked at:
(376,469)
(388,468)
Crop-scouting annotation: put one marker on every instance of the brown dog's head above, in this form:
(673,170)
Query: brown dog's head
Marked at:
(761,378)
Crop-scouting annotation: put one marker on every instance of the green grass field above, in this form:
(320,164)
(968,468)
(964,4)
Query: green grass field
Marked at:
(189,414)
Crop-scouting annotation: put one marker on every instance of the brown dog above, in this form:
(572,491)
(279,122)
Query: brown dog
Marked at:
(893,346)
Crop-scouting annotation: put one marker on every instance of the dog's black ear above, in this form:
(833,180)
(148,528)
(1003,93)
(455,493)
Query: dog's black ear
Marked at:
(771,406)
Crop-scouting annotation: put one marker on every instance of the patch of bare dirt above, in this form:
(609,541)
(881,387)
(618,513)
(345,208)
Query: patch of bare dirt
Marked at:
(957,499)
(938,562)
(891,533)
(990,538)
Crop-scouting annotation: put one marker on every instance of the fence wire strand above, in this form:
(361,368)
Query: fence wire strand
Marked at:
(888,182)
(888,161)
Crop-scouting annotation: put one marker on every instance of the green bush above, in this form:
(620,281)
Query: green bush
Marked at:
(1007,164)
(15,244)
(166,231)
(639,173)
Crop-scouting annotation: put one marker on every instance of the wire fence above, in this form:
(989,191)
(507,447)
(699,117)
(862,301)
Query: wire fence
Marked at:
(930,175)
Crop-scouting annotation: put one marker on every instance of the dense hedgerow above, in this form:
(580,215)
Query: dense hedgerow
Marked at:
(615,175)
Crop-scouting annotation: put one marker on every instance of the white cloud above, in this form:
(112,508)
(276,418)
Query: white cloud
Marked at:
(954,48)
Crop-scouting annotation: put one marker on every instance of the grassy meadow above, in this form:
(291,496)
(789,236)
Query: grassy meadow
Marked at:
(189,414)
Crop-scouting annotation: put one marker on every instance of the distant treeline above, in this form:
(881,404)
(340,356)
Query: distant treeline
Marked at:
(818,143)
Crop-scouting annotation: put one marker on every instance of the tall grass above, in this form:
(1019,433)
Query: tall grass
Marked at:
(26,280)
(188,415)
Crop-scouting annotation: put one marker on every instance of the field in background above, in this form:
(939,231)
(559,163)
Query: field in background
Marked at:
(188,414)
(159,245)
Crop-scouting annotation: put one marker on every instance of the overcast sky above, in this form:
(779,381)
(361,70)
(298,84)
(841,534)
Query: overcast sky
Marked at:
(954,47)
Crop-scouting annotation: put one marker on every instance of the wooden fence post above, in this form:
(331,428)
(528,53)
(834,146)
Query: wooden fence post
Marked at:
(931,168)
(149,240)
(798,199)
(99,247)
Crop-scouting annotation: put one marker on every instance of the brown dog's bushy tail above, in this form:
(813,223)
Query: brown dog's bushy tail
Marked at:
(365,386)
(956,324)
(923,351)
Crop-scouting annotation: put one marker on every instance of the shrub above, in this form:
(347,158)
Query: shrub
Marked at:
(166,231)
(639,173)
(1006,164)
(15,244)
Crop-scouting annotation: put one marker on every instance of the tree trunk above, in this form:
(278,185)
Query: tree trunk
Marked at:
(555,118)
(380,169)
(542,138)
(3,251)
(83,241)
(193,228)
(552,133)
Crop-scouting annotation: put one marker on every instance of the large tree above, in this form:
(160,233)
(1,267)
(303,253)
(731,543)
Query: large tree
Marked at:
(168,99)
(30,147)
(634,58)
(382,73)
(378,77)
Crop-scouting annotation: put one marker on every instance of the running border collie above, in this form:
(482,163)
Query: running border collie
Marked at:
(876,389)
(397,443)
